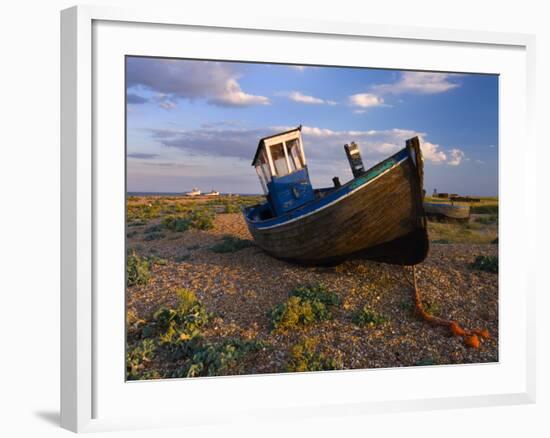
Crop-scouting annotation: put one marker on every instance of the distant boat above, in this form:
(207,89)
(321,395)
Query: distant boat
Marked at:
(212,193)
(446,211)
(194,192)
(378,215)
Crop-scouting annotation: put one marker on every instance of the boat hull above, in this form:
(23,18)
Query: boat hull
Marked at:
(444,211)
(378,217)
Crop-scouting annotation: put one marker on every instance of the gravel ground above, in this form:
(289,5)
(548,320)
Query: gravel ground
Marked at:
(241,287)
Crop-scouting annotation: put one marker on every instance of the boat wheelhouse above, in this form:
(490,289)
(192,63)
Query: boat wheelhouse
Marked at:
(281,166)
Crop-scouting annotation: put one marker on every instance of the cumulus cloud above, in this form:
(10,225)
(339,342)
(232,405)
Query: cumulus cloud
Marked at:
(432,152)
(297,96)
(215,82)
(365,100)
(418,83)
(456,157)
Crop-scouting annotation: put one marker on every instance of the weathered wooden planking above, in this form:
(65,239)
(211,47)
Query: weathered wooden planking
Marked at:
(449,211)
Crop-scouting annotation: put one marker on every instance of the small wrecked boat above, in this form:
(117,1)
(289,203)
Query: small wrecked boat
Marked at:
(447,212)
(378,215)
(194,192)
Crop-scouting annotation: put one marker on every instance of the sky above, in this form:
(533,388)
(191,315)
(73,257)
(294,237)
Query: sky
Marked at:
(195,123)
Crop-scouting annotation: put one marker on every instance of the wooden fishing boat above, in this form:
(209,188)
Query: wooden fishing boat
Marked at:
(378,215)
(444,211)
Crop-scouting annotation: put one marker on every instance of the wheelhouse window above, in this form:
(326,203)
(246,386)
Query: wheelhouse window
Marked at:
(264,164)
(278,157)
(262,169)
(294,154)
(263,180)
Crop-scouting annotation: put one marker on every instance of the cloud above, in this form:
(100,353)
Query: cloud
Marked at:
(418,83)
(239,143)
(223,123)
(322,145)
(432,152)
(299,97)
(165,101)
(296,96)
(456,157)
(142,156)
(409,82)
(135,99)
(365,100)
(215,82)
(234,96)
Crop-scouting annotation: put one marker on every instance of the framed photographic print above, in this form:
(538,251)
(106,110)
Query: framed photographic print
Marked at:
(291,218)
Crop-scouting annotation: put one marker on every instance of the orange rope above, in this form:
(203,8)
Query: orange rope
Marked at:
(471,337)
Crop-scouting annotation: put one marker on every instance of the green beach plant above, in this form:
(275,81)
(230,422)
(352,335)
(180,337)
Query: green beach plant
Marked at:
(304,356)
(137,270)
(231,244)
(182,322)
(138,357)
(306,304)
(367,317)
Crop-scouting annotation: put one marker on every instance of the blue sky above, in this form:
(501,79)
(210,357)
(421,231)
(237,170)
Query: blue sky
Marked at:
(193,123)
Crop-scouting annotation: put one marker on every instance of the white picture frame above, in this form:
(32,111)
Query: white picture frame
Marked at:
(85,174)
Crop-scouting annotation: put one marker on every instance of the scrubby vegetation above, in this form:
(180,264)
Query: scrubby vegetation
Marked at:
(233,204)
(486,263)
(487,220)
(182,322)
(305,356)
(231,244)
(213,360)
(316,292)
(367,317)
(138,358)
(143,212)
(175,223)
(198,219)
(469,232)
(484,209)
(137,269)
(174,336)
(306,305)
